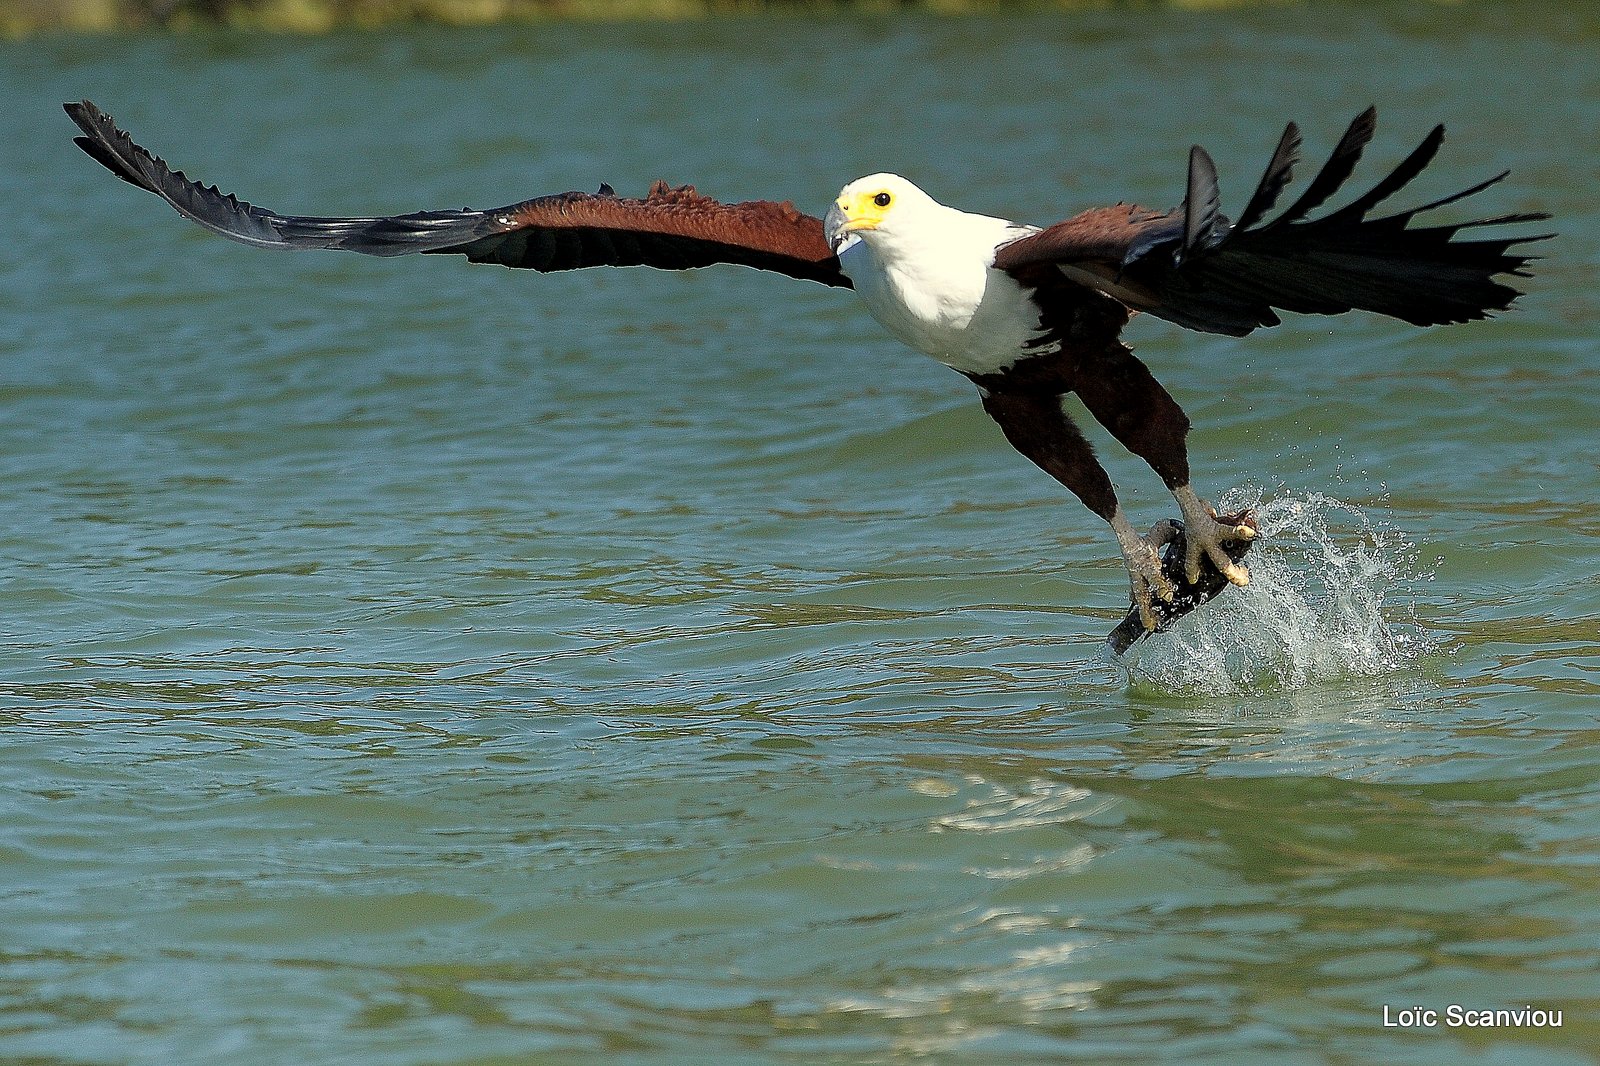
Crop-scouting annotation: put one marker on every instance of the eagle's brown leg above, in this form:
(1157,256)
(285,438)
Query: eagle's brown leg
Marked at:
(1125,397)
(1037,427)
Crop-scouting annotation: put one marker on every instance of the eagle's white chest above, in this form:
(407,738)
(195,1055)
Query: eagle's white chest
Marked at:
(936,291)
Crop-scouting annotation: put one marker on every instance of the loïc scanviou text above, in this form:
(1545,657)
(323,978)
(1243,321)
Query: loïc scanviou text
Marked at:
(1456,1016)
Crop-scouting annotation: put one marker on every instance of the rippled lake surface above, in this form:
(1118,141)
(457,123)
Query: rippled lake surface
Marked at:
(408,662)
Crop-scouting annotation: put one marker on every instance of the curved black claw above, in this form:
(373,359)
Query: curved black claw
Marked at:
(1189,595)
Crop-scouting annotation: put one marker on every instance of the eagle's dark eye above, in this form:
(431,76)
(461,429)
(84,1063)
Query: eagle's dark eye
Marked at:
(882,199)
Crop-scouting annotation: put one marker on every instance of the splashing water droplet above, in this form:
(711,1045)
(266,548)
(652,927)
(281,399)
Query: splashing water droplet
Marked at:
(1315,609)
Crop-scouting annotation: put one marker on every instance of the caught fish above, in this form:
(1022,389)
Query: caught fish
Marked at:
(1188,596)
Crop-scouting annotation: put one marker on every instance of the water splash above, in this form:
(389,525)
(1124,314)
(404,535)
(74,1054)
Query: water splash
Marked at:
(1331,595)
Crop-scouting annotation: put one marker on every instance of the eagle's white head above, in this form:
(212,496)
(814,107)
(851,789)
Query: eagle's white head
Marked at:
(877,208)
(925,272)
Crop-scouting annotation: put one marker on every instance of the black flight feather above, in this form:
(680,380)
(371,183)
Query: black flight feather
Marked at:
(1340,165)
(1202,205)
(1280,171)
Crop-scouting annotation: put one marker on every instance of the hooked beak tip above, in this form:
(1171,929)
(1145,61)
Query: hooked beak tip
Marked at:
(844,229)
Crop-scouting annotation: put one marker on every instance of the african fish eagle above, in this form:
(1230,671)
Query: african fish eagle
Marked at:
(1027,314)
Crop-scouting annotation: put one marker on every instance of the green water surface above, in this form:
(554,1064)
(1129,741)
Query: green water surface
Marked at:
(415,663)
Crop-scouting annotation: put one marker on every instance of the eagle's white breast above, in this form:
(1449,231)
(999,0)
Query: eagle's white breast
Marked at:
(926,273)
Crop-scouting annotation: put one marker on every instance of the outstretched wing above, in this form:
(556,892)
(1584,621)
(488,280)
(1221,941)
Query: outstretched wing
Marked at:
(673,229)
(1193,267)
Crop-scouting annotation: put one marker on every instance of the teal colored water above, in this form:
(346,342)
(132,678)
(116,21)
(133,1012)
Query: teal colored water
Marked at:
(414,663)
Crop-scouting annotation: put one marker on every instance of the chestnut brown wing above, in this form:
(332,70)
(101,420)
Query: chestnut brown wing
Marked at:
(669,228)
